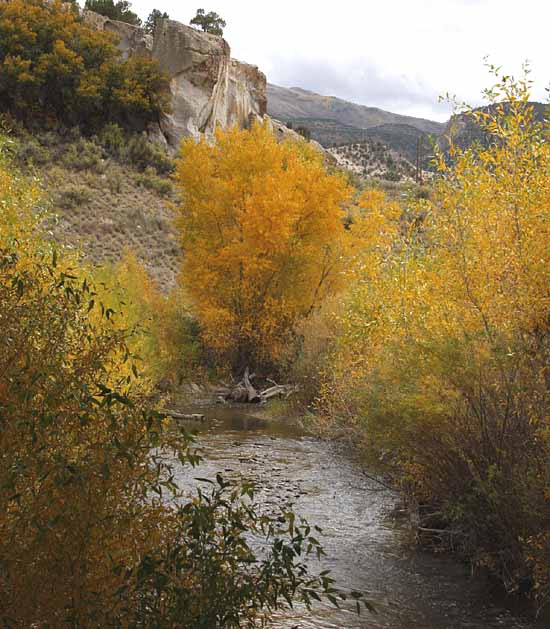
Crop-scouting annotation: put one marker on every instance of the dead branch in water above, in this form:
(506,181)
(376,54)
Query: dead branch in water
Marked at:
(245,392)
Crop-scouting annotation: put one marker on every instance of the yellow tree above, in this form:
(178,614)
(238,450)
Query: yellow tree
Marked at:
(264,239)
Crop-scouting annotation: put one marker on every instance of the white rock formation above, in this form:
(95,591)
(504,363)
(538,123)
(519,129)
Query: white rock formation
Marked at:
(208,88)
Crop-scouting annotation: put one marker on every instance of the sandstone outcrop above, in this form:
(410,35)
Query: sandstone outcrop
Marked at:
(131,39)
(208,87)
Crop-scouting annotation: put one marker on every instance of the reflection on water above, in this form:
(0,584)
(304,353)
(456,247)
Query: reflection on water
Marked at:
(365,548)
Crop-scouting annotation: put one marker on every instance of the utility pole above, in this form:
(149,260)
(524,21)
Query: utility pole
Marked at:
(419,147)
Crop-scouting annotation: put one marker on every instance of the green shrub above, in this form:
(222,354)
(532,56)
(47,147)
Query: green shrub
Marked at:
(135,149)
(142,153)
(72,195)
(114,179)
(113,140)
(150,180)
(29,151)
(83,155)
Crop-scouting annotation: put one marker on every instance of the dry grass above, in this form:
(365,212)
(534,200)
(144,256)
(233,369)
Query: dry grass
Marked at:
(105,206)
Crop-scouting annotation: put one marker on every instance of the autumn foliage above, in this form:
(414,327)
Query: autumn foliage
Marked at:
(441,371)
(94,530)
(264,239)
(54,67)
(162,328)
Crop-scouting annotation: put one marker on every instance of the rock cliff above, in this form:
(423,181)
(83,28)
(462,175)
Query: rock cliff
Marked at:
(208,87)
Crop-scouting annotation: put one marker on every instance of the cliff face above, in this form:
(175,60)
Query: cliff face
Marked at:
(208,88)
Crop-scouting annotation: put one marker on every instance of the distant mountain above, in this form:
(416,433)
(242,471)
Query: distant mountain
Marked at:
(288,104)
(333,121)
(359,131)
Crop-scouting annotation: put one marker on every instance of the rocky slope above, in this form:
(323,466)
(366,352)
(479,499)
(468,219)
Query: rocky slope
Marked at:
(373,159)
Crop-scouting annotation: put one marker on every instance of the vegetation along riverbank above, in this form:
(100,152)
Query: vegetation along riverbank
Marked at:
(147,259)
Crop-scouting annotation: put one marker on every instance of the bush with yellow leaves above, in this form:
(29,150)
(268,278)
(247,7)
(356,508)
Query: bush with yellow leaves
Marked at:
(94,532)
(56,68)
(441,373)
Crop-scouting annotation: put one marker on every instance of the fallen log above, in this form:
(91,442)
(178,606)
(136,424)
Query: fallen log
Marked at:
(194,417)
(239,394)
(276,391)
(245,393)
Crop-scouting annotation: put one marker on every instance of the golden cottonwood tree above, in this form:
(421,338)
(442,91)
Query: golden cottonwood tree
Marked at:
(264,240)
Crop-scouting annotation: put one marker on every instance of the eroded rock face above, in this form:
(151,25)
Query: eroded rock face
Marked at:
(132,39)
(208,88)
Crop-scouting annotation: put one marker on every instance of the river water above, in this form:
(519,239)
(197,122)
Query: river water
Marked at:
(366,548)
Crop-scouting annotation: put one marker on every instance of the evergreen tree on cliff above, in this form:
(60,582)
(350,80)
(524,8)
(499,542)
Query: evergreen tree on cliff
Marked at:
(114,10)
(209,22)
(153,18)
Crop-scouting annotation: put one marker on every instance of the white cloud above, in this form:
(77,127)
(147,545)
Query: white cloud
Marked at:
(394,54)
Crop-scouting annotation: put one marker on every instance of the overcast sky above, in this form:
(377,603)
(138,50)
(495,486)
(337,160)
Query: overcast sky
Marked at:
(399,55)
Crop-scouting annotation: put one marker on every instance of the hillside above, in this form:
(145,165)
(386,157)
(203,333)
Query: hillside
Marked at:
(402,138)
(373,159)
(334,122)
(464,130)
(294,103)
(106,200)
(369,141)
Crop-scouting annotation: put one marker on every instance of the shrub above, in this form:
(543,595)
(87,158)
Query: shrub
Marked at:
(94,530)
(82,155)
(135,149)
(142,153)
(72,195)
(53,67)
(113,140)
(167,342)
(114,179)
(441,373)
(151,181)
(31,152)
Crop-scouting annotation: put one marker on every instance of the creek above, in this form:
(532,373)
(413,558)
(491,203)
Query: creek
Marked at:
(366,548)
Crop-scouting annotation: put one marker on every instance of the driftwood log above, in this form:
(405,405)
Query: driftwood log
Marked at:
(193,417)
(244,391)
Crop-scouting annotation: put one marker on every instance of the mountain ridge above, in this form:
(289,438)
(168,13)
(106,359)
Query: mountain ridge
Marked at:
(288,104)
(339,124)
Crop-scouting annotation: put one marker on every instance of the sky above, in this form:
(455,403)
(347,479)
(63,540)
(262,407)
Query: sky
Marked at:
(399,55)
